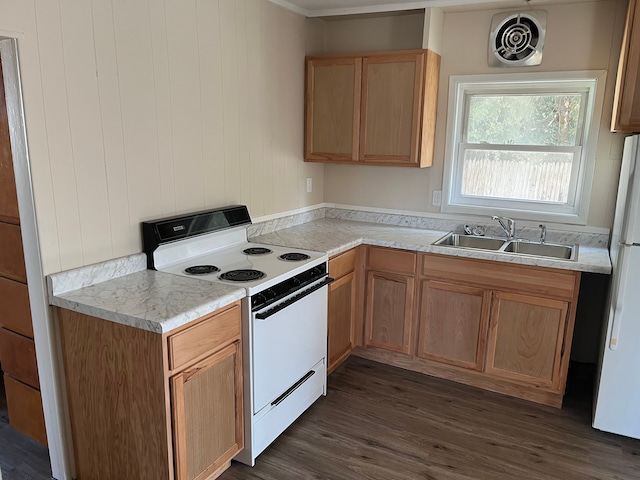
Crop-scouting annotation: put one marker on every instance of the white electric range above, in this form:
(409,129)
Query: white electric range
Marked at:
(284,316)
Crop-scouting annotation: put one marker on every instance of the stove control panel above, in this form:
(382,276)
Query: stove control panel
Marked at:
(287,287)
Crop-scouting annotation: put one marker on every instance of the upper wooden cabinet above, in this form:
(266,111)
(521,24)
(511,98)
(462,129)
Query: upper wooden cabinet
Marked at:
(333,108)
(626,107)
(375,109)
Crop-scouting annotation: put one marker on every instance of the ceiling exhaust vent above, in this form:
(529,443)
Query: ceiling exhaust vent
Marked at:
(516,39)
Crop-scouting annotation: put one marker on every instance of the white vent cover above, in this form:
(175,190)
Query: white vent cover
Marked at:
(516,39)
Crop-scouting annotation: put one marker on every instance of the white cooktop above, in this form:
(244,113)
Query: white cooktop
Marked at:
(232,258)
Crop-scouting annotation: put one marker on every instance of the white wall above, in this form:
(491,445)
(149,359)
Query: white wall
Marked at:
(580,36)
(139,109)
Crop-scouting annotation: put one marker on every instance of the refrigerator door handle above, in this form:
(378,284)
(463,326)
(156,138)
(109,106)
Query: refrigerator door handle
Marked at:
(615,329)
(618,297)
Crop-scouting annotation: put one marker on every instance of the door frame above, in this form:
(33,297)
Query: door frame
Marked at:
(44,327)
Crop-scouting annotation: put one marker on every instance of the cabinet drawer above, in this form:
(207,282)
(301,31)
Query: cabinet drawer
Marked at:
(342,264)
(391,260)
(204,337)
(14,305)
(545,282)
(11,256)
(24,405)
(18,357)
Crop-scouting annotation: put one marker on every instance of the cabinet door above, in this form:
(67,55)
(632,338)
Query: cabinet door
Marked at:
(207,414)
(526,337)
(389,311)
(391,106)
(342,308)
(453,323)
(626,108)
(332,109)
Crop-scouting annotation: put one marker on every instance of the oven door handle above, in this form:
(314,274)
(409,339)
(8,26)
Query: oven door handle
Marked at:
(272,311)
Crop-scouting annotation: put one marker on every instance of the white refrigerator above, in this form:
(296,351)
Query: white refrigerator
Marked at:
(617,398)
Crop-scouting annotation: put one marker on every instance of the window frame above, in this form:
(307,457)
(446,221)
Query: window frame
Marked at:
(591,84)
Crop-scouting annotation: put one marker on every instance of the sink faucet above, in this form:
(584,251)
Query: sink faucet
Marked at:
(508,225)
(543,232)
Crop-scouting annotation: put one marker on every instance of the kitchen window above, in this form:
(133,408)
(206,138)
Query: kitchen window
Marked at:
(523,144)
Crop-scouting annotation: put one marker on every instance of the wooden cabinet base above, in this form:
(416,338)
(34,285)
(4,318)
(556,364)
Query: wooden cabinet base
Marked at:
(343,305)
(116,394)
(206,400)
(462,375)
(25,409)
(134,418)
(530,313)
(341,315)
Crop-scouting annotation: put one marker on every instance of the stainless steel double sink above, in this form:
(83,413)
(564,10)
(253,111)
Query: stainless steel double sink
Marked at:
(515,247)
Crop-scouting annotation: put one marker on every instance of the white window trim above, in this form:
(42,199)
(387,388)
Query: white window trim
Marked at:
(574,213)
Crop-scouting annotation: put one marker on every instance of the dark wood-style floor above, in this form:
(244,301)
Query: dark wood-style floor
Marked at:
(380,422)
(20,457)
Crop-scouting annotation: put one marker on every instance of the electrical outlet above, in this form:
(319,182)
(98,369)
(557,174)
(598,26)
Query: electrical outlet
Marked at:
(309,184)
(437,198)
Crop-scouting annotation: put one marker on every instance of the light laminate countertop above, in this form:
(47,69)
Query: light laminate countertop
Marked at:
(335,236)
(160,302)
(149,300)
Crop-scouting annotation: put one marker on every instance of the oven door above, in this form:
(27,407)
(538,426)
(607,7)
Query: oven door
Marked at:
(289,339)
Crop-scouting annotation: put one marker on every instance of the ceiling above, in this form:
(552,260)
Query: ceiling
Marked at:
(324,8)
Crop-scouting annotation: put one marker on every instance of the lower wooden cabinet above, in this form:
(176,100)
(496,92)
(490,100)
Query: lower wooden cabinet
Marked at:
(507,325)
(343,307)
(134,416)
(389,304)
(499,326)
(389,311)
(206,401)
(526,336)
(453,323)
(341,317)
